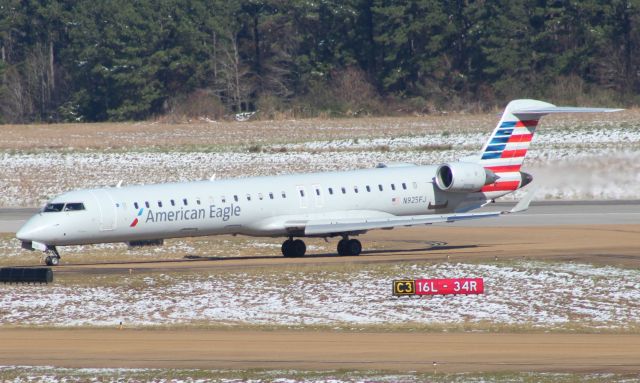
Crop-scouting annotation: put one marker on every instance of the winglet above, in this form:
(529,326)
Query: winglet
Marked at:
(523,204)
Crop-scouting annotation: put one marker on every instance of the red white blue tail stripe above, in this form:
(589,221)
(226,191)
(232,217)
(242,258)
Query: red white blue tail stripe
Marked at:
(507,147)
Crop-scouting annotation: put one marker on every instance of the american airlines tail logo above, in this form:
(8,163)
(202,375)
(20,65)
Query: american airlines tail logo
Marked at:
(135,221)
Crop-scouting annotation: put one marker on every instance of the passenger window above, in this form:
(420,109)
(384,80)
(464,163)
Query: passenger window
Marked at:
(415,185)
(235,198)
(380,187)
(301,193)
(198,201)
(146,204)
(284,195)
(368,188)
(317,191)
(135,204)
(184,201)
(344,191)
(331,191)
(355,189)
(223,199)
(404,186)
(173,203)
(248,197)
(393,187)
(260,196)
(270,195)
(159,203)
(74,206)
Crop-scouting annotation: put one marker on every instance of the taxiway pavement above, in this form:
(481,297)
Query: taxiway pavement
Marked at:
(541,213)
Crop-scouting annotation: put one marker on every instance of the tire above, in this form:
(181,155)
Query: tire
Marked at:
(299,248)
(48,260)
(342,247)
(55,261)
(286,248)
(354,247)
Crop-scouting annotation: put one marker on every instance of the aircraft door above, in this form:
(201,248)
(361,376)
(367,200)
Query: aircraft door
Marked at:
(317,195)
(107,208)
(302,195)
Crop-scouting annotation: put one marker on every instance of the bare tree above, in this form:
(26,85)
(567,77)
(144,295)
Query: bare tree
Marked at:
(234,75)
(15,103)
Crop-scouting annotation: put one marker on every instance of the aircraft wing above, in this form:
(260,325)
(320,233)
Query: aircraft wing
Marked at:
(335,226)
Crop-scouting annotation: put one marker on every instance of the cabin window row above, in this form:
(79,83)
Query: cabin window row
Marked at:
(368,188)
(271,195)
(223,199)
(172,202)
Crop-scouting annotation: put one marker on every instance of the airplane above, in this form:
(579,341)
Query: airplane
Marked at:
(328,204)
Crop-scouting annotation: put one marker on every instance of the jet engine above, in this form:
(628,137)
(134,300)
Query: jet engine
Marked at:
(463,177)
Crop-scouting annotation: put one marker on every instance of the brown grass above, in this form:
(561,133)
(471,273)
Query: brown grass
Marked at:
(200,135)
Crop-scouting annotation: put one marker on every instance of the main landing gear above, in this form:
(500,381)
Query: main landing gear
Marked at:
(293,248)
(52,257)
(296,248)
(348,246)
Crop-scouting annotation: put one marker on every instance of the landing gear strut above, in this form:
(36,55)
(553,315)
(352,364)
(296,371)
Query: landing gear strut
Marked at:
(348,246)
(52,257)
(293,248)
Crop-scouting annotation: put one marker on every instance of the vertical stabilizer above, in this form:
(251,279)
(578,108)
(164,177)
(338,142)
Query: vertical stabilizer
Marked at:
(507,147)
(504,152)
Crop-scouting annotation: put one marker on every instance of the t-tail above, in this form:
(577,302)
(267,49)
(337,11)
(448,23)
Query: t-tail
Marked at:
(504,152)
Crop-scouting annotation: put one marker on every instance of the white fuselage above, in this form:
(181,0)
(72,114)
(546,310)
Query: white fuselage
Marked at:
(257,206)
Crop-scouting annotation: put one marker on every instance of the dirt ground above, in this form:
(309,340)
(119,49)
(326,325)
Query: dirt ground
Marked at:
(209,349)
(394,351)
(197,133)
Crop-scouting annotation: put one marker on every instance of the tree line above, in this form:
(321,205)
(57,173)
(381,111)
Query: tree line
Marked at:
(112,60)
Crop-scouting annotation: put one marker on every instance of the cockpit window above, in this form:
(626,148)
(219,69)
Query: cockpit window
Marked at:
(53,207)
(74,206)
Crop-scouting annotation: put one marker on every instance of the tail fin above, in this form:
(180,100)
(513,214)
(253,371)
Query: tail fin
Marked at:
(507,147)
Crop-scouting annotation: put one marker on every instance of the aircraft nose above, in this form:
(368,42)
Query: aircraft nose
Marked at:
(34,230)
(28,231)
(23,233)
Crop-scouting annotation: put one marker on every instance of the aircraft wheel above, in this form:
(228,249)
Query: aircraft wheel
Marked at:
(52,260)
(342,247)
(299,248)
(286,248)
(353,247)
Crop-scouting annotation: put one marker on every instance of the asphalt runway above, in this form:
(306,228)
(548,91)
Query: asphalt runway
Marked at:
(542,213)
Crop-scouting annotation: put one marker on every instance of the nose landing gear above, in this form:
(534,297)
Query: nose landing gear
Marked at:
(52,257)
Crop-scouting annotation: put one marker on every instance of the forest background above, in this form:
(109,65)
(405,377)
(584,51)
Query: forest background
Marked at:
(114,60)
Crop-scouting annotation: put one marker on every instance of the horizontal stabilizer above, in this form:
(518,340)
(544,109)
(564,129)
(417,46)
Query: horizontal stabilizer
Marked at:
(563,109)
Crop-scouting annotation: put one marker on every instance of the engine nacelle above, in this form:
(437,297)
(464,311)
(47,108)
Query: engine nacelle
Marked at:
(463,177)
